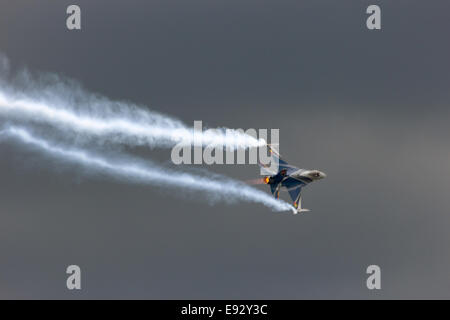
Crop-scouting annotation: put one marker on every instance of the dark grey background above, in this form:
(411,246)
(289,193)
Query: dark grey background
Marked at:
(367,107)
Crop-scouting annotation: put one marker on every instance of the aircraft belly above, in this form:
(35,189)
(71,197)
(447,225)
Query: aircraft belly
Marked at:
(290,183)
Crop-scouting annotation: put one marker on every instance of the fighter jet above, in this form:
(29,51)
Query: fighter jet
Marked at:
(290,177)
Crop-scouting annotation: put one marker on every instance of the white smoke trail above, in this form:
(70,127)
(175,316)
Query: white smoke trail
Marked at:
(64,104)
(131,126)
(220,188)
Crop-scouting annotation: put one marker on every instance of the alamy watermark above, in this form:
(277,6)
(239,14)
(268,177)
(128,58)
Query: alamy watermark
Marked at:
(74,279)
(374,280)
(229,147)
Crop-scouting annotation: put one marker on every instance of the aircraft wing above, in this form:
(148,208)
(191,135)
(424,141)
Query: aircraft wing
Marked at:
(277,158)
(295,194)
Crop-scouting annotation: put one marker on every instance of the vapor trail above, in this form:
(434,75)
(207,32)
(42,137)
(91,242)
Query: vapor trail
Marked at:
(130,125)
(219,188)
